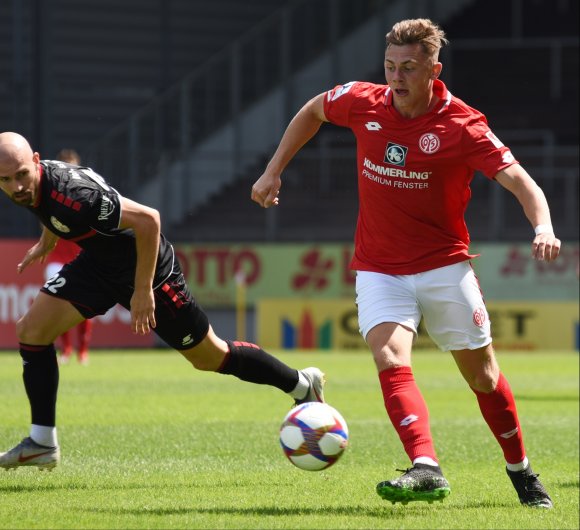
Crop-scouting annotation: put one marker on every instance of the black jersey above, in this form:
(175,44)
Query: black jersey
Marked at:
(77,204)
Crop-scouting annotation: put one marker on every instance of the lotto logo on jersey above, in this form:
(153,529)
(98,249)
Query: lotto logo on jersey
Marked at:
(395,154)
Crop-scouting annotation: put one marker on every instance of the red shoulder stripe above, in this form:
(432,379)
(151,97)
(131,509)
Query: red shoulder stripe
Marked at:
(90,233)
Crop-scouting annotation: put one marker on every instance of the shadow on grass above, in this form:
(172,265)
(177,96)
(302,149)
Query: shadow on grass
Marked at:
(525,397)
(265,511)
(570,484)
(23,488)
(393,511)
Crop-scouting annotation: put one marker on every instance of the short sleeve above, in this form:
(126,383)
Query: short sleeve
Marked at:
(483,150)
(101,203)
(104,213)
(338,102)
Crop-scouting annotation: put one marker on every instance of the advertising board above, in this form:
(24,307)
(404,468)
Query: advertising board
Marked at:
(319,272)
(333,325)
(17,291)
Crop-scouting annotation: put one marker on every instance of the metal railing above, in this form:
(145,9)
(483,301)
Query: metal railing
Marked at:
(264,60)
(319,196)
(217,92)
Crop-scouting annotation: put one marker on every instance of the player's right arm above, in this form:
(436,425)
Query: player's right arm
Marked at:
(146,226)
(39,250)
(301,129)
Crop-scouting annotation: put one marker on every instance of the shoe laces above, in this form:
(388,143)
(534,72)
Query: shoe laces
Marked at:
(532,484)
(419,468)
(17,448)
(529,487)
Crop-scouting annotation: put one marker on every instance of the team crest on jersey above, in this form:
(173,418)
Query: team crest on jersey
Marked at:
(429,143)
(396,154)
(58,225)
(479,317)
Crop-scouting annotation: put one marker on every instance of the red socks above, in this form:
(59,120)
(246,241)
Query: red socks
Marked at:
(499,411)
(408,412)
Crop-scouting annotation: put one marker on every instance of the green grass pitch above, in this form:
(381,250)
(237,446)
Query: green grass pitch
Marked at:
(148,442)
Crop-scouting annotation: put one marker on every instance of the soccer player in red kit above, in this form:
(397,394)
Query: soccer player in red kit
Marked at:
(418,147)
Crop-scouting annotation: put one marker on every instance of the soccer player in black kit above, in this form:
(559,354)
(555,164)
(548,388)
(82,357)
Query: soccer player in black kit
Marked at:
(125,259)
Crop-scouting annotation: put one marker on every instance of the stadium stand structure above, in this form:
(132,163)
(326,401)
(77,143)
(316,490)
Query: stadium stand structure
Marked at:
(103,60)
(526,85)
(520,19)
(531,87)
(321,205)
(71,71)
(318,200)
(530,96)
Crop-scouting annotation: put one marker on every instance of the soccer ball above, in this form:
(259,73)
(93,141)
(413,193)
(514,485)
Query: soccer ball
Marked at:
(313,436)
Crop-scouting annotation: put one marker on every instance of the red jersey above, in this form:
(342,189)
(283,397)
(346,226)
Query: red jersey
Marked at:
(413,176)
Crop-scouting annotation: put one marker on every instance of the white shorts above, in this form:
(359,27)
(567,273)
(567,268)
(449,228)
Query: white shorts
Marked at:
(448,299)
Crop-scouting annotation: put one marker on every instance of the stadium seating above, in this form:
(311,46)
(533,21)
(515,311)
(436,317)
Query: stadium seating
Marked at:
(105,60)
(100,61)
(518,87)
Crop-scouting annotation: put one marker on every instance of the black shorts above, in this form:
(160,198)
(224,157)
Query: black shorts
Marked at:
(181,323)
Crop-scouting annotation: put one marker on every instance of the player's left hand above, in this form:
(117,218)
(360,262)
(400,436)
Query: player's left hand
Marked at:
(38,252)
(142,311)
(546,247)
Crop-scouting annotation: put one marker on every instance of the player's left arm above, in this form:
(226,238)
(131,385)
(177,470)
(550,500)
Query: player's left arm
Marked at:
(146,225)
(545,246)
(39,250)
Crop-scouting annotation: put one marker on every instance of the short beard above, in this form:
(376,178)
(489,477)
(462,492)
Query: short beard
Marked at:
(24,204)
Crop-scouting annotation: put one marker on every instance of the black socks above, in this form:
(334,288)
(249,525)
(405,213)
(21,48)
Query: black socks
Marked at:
(251,363)
(40,375)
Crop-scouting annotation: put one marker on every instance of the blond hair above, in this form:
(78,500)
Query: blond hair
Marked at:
(418,30)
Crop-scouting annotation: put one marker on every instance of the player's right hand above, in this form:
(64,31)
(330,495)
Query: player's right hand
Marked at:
(142,311)
(266,189)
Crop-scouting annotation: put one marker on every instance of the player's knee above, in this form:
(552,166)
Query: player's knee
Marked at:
(25,331)
(29,331)
(204,359)
(202,364)
(483,382)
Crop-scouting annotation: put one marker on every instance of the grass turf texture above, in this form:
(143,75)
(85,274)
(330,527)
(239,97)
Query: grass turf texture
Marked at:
(148,442)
